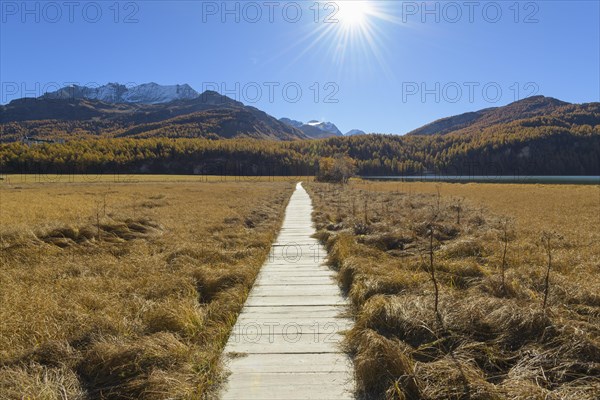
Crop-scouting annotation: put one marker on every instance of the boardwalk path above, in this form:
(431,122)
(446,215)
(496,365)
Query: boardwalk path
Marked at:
(285,344)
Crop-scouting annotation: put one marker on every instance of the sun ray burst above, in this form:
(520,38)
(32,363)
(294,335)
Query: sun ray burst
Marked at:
(352,37)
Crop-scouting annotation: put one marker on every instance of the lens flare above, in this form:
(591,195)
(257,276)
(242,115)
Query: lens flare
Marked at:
(350,34)
(353,14)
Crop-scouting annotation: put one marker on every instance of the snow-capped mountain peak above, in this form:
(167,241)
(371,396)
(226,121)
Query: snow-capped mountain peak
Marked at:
(147,93)
(353,132)
(325,127)
(153,93)
(314,129)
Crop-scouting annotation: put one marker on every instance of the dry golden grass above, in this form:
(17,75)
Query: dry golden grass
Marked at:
(489,341)
(123,290)
(53,178)
(572,209)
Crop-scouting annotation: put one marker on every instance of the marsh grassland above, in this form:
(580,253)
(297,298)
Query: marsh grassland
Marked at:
(127,287)
(116,289)
(468,291)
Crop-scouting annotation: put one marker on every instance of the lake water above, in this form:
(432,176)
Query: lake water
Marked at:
(557,179)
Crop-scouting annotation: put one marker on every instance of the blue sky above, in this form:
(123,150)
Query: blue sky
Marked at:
(387,66)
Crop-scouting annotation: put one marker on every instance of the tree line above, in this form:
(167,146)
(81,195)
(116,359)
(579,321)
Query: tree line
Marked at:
(528,147)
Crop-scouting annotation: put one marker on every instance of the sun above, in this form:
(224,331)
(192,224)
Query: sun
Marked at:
(353,13)
(352,34)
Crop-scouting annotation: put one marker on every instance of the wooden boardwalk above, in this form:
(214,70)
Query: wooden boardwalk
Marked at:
(285,344)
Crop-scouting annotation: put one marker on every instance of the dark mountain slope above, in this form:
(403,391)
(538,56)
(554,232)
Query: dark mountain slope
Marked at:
(556,139)
(522,109)
(208,115)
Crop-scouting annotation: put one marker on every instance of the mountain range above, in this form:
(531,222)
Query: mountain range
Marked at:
(314,129)
(319,130)
(147,93)
(537,135)
(526,108)
(149,110)
(178,111)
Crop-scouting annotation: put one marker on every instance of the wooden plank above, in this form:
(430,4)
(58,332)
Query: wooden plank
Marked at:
(286,341)
(287,280)
(291,326)
(261,301)
(292,386)
(296,310)
(292,341)
(292,278)
(296,290)
(306,265)
(286,363)
(274,273)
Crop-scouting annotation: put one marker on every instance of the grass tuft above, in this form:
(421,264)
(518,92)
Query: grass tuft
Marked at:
(506,317)
(119,294)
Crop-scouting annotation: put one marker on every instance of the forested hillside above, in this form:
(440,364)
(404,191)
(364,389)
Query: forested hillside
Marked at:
(556,139)
(519,149)
(526,108)
(210,115)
